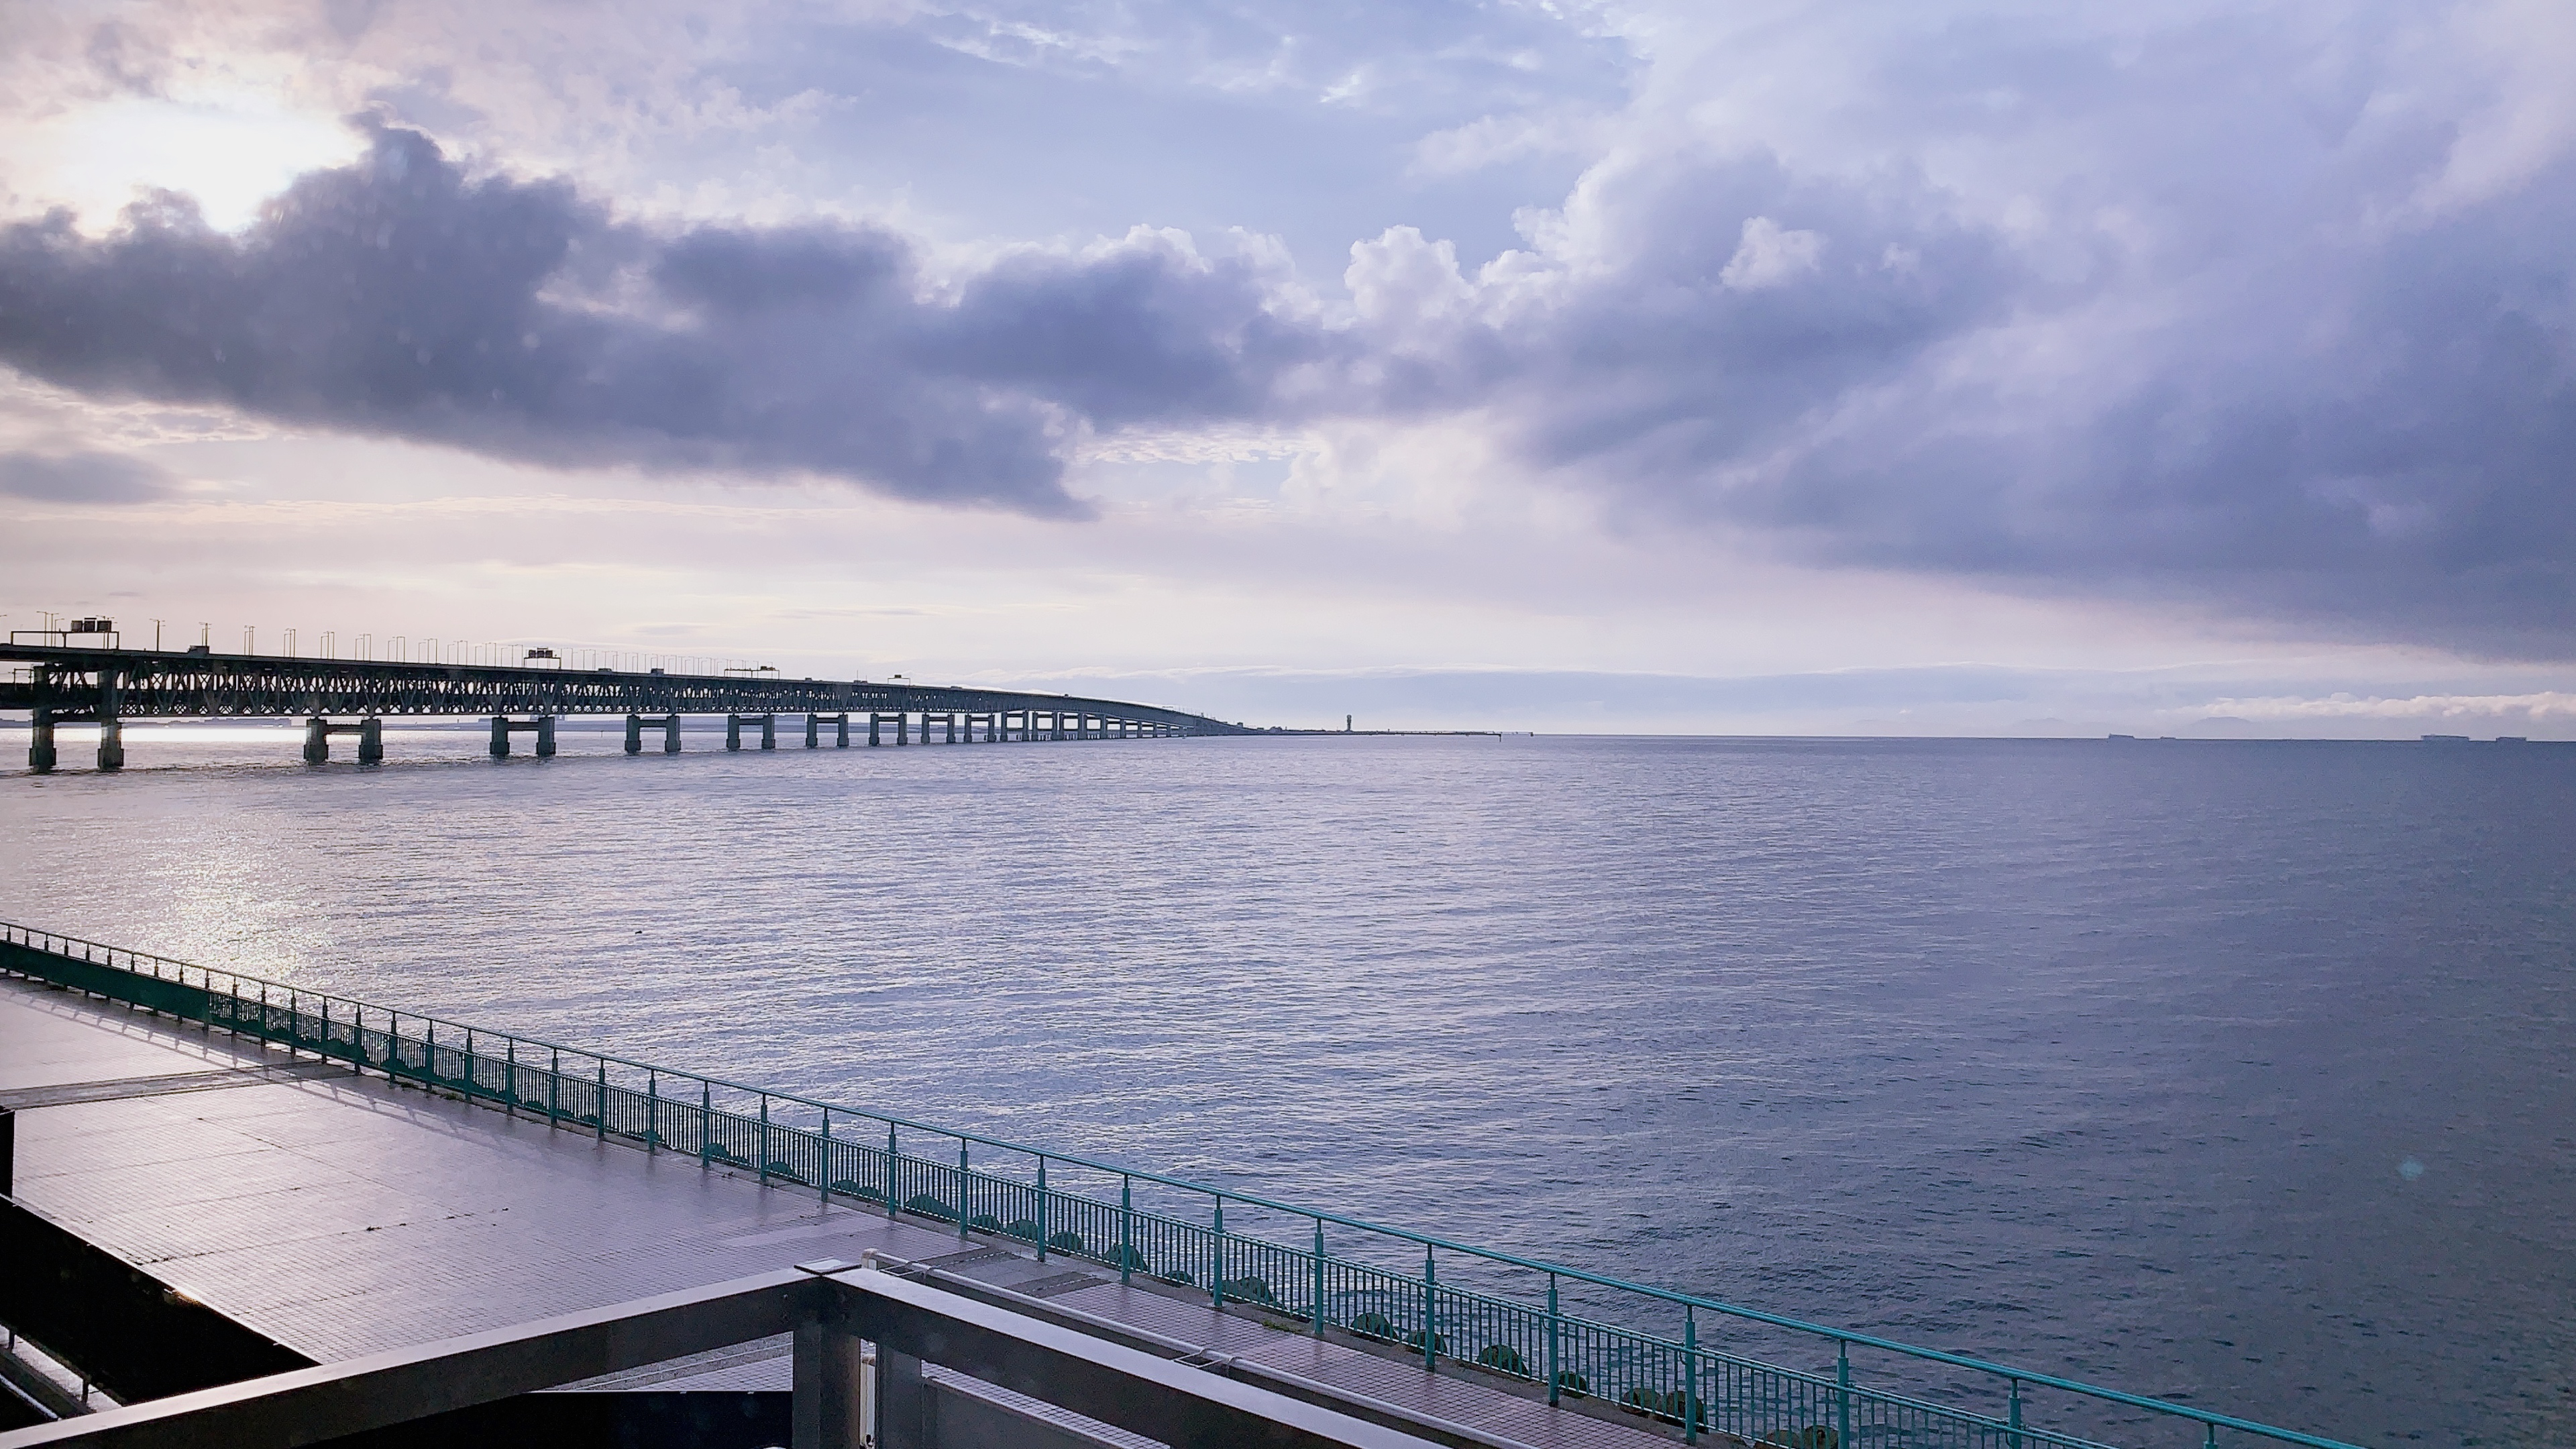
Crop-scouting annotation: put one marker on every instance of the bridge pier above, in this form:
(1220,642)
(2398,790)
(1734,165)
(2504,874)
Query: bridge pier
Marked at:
(950,719)
(669,724)
(768,730)
(319,730)
(903,727)
(111,730)
(841,729)
(40,743)
(543,727)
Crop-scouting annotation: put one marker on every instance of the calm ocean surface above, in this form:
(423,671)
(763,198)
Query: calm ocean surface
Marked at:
(2242,1073)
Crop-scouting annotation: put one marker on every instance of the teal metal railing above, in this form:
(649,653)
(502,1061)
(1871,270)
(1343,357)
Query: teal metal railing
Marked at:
(1651,1351)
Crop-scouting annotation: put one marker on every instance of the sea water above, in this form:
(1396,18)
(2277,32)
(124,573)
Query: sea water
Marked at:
(2243,1073)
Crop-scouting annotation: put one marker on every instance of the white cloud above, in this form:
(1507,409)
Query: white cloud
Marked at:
(1768,256)
(2550,710)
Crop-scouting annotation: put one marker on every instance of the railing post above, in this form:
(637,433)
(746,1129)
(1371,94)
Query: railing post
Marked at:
(764,1140)
(601,1103)
(823,1169)
(2016,1414)
(1552,1370)
(961,1154)
(1126,1228)
(509,1076)
(1042,1208)
(1319,1275)
(1690,1375)
(469,1062)
(428,1052)
(326,1027)
(1216,1258)
(1842,1391)
(706,1120)
(1430,1308)
(554,1086)
(890,1156)
(652,1112)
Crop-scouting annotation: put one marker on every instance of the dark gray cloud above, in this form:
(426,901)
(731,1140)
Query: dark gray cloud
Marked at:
(82,477)
(2200,313)
(402,297)
(2373,435)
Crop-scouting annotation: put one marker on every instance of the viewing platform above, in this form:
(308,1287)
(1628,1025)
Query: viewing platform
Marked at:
(332,1182)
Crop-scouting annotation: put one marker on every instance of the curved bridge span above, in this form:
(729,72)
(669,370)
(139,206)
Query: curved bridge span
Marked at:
(68,685)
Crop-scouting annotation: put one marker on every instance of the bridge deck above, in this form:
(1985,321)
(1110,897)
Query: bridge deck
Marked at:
(82,683)
(344,1215)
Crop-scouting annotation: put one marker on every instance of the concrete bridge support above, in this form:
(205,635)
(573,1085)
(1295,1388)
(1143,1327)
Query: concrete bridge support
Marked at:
(111,730)
(669,724)
(40,743)
(317,740)
(814,730)
(543,727)
(768,730)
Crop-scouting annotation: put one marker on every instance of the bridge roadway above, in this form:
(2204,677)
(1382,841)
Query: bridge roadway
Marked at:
(343,1215)
(62,685)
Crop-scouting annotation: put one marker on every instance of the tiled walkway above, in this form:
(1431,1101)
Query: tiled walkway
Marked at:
(344,1215)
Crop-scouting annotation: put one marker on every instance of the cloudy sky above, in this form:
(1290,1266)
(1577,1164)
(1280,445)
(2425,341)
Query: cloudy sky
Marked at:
(1866,367)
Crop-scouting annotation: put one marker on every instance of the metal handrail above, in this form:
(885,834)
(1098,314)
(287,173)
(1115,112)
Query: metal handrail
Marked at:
(1843,1339)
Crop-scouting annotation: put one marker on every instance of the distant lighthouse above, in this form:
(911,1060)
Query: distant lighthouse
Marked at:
(1346,724)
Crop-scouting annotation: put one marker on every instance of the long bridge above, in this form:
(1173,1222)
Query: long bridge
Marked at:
(69,682)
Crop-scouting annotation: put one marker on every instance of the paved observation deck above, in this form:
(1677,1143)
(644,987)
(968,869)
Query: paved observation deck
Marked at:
(344,1214)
